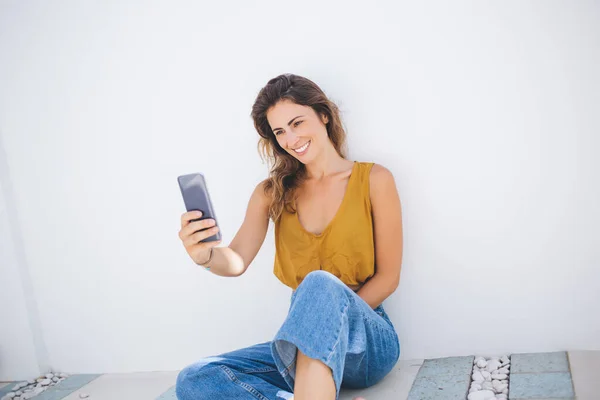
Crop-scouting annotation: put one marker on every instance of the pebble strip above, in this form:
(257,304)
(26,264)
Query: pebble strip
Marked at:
(490,378)
(31,388)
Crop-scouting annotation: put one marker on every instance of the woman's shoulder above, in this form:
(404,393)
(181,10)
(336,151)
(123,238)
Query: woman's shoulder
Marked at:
(262,192)
(376,170)
(380,177)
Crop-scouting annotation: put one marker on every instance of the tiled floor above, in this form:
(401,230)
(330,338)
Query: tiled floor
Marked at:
(540,376)
(443,378)
(148,385)
(159,385)
(396,385)
(584,366)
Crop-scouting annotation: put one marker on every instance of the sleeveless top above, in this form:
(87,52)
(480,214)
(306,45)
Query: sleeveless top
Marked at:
(345,248)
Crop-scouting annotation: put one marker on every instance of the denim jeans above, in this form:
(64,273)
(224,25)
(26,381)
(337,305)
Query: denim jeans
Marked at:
(327,321)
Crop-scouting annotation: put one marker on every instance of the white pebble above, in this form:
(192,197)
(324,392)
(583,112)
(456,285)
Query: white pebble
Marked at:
(492,365)
(28,389)
(477,377)
(487,385)
(489,378)
(33,393)
(83,395)
(481,395)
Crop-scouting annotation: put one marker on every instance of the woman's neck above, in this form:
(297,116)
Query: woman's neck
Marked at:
(330,163)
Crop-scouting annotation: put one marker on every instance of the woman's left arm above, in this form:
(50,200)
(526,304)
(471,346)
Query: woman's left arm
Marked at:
(387,231)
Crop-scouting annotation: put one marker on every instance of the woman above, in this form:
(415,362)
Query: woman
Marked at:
(338,242)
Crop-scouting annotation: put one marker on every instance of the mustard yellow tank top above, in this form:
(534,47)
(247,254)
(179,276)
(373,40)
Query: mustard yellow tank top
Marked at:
(345,248)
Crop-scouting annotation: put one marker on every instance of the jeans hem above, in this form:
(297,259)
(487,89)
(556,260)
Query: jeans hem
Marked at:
(285,340)
(249,388)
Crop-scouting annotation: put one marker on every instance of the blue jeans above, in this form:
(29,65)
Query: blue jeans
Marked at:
(327,321)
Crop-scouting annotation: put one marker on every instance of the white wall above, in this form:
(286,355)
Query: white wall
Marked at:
(22,349)
(486,114)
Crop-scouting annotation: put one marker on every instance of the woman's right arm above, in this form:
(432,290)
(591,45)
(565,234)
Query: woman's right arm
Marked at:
(234,259)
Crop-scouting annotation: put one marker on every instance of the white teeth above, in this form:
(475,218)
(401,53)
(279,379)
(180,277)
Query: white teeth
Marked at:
(301,149)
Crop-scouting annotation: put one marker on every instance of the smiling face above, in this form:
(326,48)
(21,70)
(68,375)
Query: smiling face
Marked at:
(299,130)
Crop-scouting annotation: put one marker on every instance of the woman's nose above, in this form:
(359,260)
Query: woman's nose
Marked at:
(292,139)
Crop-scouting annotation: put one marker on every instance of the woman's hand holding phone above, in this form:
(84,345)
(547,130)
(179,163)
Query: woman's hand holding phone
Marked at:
(193,231)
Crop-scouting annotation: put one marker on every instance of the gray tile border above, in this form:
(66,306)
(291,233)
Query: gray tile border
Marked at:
(551,385)
(443,379)
(521,363)
(540,376)
(7,388)
(447,366)
(66,387)
(60,390)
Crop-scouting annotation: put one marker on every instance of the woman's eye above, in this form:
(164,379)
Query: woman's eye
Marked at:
(295,124)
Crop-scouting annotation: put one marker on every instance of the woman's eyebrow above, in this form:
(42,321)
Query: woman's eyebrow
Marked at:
(289,123)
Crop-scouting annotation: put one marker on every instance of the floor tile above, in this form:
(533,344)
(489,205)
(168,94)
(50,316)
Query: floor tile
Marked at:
(66,387)
(584,372)
(6,387)
(443,387)
(396,385)
(550,385)
(447,366)
(443,379)
(539,362)
(133,386)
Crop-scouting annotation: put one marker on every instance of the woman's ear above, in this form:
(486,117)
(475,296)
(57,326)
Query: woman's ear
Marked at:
(324,119)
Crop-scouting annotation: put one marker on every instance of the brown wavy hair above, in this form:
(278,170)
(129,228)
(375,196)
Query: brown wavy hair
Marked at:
(286,172)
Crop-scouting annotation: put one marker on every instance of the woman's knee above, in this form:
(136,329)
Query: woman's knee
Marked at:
(197,381)
(320,286)
(320,278)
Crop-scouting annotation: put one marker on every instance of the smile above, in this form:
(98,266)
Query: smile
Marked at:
(303,149)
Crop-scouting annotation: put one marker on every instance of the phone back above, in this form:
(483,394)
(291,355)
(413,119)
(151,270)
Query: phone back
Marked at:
(195,196)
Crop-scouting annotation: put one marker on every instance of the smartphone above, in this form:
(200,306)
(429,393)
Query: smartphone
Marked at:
(196,198)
